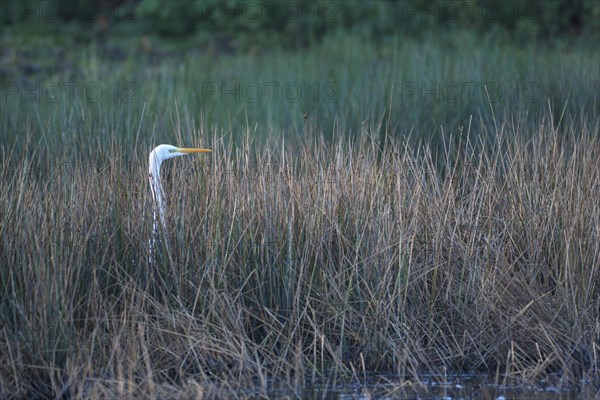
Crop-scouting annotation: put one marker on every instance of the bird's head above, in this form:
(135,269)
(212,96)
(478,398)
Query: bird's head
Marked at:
(166,151)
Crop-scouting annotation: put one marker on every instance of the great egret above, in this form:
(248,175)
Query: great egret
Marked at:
(158,155)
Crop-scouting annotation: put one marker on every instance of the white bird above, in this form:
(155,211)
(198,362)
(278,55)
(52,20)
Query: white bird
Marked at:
(158,155)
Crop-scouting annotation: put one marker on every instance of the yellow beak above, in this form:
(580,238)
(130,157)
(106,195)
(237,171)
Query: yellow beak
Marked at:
(193,150)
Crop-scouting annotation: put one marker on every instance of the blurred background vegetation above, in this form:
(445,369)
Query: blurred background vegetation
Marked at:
(405,66)
(301,22)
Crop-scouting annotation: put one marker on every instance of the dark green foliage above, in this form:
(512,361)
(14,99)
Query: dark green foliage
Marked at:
(310,19)
(298,22)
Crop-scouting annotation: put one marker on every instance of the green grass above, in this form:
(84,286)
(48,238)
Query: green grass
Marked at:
(417,87)
(363,237)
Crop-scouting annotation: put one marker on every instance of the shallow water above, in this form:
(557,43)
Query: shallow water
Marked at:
(432,387)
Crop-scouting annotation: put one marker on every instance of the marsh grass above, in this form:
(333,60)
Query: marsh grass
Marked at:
(320,241)
(292,263)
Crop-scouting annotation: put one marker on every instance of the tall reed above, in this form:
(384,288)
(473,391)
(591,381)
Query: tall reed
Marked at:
(296,262)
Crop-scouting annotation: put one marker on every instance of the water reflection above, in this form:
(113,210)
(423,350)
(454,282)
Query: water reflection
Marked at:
(430,387)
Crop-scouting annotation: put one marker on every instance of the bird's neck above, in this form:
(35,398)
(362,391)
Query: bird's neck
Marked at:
(158,196)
